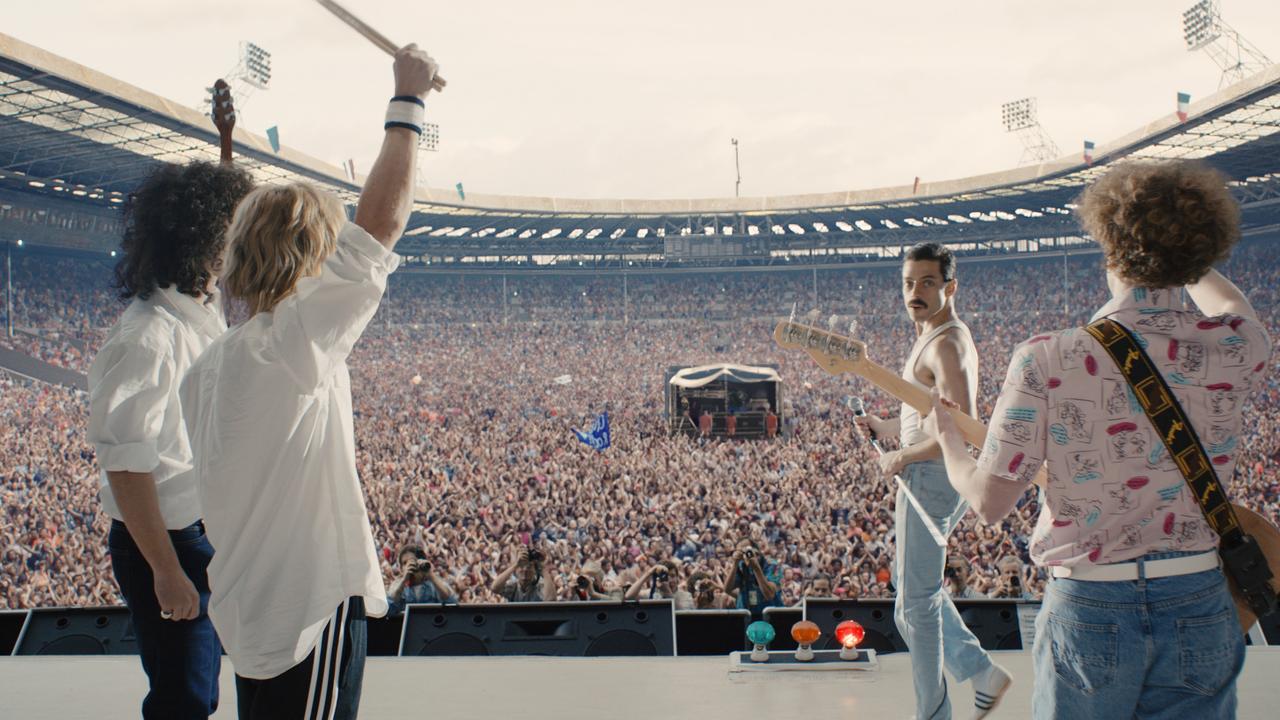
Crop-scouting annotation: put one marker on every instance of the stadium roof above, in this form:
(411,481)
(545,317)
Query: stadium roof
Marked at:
(72,132)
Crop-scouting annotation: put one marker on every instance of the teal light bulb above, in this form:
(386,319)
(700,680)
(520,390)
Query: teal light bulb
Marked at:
(760,633)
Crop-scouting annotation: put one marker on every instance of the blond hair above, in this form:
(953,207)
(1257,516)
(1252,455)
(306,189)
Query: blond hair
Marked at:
(279,235)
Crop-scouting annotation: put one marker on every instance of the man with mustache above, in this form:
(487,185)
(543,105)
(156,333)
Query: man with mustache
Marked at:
(943,357)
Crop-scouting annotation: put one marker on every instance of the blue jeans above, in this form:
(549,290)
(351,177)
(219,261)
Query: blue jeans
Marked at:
(182,659)
(1164,648)
(923,611)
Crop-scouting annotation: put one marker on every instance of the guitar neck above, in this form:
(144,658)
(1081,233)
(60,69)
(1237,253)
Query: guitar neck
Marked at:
(975,433)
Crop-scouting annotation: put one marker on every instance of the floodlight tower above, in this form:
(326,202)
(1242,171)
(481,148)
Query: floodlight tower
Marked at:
(1204,29)
(1019,117)
(429,141)
(251,72)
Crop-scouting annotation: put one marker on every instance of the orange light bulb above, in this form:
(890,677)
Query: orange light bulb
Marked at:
(805,632)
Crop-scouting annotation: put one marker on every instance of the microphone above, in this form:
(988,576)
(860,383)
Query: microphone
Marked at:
(859,410)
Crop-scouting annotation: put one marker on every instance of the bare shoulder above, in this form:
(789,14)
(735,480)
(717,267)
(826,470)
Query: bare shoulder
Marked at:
(951,347)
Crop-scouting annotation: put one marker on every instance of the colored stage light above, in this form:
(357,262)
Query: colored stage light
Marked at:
(760,634)
(849,633)
(805,633)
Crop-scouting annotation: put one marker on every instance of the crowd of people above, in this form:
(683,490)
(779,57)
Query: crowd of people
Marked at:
(464,425)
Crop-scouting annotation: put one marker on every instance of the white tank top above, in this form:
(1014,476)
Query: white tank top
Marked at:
(911,427)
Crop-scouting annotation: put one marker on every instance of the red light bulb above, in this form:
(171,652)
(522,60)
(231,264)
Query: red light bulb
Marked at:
(850,634)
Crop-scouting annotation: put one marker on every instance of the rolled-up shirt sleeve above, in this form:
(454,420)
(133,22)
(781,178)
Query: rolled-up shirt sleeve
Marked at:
(127,406)
(1016,446)
(317,326)
(1257,347)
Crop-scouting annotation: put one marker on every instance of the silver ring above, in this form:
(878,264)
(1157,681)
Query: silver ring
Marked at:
(166,614)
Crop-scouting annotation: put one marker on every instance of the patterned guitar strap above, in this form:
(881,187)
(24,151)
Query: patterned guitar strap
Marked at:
(1242,558)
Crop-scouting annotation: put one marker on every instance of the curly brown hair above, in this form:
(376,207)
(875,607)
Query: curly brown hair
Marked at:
(1161,224)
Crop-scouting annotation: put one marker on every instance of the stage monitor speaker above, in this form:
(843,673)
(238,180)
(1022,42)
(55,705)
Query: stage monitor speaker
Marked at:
(782,618)
(11,624)
(711,632)
(384,635)
(993,621)
(78,631)
(874,614)
(562,629)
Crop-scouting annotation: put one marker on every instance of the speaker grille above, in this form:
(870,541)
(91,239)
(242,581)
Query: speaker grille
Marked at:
(621,643)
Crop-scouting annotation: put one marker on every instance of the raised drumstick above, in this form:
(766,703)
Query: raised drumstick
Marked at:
(372,35)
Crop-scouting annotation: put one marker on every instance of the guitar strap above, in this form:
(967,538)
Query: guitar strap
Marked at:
(1241,556)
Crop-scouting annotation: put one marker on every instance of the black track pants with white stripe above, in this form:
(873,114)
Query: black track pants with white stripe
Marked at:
(325,686)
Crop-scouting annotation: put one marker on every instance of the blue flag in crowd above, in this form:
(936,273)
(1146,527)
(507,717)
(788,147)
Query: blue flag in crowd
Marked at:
(598,437)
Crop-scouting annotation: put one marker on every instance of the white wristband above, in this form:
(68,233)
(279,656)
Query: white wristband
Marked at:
(406,112)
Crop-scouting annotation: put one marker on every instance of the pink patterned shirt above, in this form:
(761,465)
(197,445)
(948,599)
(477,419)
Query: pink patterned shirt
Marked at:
(1114,494)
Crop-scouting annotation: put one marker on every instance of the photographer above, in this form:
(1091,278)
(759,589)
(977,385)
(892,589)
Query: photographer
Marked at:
(418,582)
(956,577)
(527,579)
(659,582)
(753,580)
(1011,582)
(706,594)
(589,585)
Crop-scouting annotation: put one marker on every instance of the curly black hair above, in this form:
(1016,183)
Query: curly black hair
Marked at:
(175,227)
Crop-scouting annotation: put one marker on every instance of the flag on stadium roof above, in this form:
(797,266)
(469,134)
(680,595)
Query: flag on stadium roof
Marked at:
(273,137)
(349,167)
(1088,152)
(598,437)
(462,194)
(915,187)
(1184,102)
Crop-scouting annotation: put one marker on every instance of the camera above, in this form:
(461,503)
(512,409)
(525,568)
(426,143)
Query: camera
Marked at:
(535,556)
(749,554)
(662,575)
(422,566)
(584,582)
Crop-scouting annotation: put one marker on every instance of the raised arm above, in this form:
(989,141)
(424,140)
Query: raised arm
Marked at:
(1216,295)
(387,198)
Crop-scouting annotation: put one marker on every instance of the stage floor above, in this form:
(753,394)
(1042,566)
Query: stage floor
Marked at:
(697,688)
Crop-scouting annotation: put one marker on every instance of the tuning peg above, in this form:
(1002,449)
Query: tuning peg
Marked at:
(853,327)
(792,318)
(812,316)
(832,322)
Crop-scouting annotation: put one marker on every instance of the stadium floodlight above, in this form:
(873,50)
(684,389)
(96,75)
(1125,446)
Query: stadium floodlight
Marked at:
(430,138)
(257,65)
(1019,114)
(1204,29)
(252,71)
(1200,24)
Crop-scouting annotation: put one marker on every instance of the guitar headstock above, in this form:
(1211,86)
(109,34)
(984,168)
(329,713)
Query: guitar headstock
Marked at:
(833,352)
(224,112)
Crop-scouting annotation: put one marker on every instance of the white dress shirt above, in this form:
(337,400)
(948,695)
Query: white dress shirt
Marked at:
(268,407)
(135,414)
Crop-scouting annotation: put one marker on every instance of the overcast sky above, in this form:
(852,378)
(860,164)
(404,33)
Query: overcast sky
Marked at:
(603,98)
